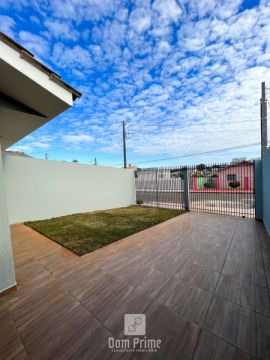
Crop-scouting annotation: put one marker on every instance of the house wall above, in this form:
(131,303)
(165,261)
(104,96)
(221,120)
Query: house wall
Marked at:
(258,190)
(7,274)
(40,189)
(241,172)
(266,189)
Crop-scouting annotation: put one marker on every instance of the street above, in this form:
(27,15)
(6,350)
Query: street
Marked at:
(232,203)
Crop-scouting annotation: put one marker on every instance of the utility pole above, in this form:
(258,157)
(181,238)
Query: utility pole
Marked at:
(264,141)
(46,156)
(124,145)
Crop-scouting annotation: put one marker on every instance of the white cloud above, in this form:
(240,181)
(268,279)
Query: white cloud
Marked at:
(222,9)
(78,138)
(21,148)
(61,30)
(40,145)
(35,43)
(168,9)
(79,10)
(7,25)
(76,57)
(140,20)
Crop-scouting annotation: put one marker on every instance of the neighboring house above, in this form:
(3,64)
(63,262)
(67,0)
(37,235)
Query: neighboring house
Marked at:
(217,176)
(17,153)
(31,94)
(152,173)
(242,172)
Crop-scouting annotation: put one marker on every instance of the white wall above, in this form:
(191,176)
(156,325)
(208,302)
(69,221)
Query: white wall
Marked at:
(40,189)
(266,190)
(7,274)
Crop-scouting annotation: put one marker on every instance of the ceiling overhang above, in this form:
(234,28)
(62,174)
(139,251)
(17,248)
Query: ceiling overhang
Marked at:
(29,96)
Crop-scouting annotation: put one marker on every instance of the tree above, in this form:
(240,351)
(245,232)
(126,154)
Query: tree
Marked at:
(75,161)
(234,184)
(201,167)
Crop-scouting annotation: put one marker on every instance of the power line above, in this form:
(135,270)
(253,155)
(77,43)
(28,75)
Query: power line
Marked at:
(178,131)
(194,154)
(211,123)
(134,131)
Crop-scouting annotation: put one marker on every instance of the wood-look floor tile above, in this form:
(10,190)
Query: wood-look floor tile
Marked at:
(259,277)
(45,334)
(153,283)
(134,303)
(225,351)
(212,262)
(212,347)
(179,336)
(233,268)
(246,337)
(206,346)
(229,288)
(43,301)
(91,342)
(11,346)
(248,297)
(199,276)
(185,299)
(171,265)
(107,294)
(262,301)
(263,337)
(223,319)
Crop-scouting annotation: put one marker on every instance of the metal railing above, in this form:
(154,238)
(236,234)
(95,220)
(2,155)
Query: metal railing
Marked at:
(215,188)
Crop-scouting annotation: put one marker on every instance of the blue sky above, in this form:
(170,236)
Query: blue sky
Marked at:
(184,74)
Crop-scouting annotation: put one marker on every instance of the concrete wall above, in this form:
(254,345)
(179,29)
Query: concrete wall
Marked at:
(40,189)
(266,190)
(7,274)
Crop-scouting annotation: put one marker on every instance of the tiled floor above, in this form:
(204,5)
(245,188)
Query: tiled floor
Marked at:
(202,281)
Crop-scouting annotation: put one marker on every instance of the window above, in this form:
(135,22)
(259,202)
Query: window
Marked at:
(231,177)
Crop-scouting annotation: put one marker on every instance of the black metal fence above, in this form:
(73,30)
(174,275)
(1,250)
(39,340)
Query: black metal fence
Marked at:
(215,188)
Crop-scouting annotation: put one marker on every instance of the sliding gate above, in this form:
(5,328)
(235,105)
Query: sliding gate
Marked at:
(215,188)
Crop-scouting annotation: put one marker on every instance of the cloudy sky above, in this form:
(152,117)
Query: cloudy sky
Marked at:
(184,74)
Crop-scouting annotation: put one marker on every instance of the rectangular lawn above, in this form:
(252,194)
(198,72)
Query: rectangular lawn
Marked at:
(86,232)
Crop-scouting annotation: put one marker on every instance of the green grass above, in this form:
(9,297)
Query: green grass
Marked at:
(86,232)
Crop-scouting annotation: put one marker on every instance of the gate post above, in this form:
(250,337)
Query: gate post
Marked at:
(186,188)
(157,200)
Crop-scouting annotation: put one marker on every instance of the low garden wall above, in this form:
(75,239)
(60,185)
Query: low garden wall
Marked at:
(40,189)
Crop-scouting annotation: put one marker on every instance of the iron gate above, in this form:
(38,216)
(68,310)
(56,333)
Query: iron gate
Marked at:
(215,188)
